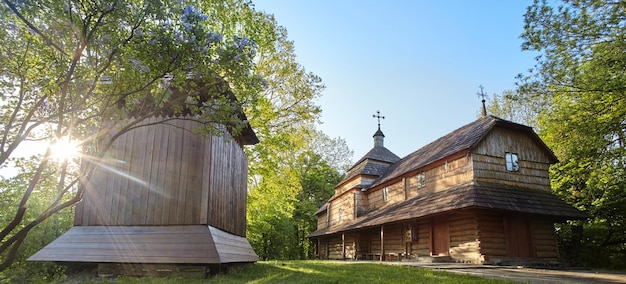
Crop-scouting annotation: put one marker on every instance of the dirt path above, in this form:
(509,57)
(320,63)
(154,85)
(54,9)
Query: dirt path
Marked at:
(526,275)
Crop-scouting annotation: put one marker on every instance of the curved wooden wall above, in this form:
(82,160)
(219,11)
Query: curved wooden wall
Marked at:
(168,174)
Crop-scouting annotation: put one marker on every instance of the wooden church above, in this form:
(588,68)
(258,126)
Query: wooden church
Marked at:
(480,194)
(164,198)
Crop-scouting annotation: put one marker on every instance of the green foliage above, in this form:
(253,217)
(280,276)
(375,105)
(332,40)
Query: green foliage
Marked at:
(286,188)
(511,106)
(580,75)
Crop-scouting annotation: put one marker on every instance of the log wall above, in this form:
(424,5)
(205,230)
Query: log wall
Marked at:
(421,247)
(394,238)
(491,235)
(464,243)
(322,220)
(488,159)
(395,194)
(166,174)
(440,177)
(335,247)
(342,208)
(544,239)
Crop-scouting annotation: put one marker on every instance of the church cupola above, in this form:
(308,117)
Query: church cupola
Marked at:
(379,137)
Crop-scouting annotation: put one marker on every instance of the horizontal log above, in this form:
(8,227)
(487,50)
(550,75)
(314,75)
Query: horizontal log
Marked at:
(493,251)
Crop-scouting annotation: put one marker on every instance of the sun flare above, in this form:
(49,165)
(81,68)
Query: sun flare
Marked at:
(64,149)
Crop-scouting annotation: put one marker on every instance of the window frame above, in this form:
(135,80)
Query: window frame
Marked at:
(385,194)
(421,180)
(511,161)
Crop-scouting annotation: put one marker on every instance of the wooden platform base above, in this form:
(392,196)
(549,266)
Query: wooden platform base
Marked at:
(186,244)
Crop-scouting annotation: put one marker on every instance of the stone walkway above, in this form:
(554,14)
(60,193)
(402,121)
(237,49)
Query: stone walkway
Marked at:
(525,275)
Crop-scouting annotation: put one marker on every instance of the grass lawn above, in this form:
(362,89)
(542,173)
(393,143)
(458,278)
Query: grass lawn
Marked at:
(321,272)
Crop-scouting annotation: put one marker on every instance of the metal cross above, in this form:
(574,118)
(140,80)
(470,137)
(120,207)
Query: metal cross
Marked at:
(482,94)
(377,115)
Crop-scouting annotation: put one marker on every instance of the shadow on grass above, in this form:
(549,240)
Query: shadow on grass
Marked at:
(336,272)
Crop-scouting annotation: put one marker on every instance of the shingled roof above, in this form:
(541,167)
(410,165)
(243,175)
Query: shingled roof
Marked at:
(463,138)
(374,163)
(471,195)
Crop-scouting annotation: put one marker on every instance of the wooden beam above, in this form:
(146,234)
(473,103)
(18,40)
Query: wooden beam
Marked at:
(343,246)
(382,242)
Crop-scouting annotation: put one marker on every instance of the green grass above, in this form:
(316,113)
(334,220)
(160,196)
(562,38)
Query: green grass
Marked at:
(322,272)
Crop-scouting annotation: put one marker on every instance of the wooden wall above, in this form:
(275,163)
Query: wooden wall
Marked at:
(344,206)
(491,235)
(166,174)
(335,247)
(441,176)
(351,241)
(395,193)
(490,166)
(544,238)
(322,220)
(464,237)
(394,238)
(421,247)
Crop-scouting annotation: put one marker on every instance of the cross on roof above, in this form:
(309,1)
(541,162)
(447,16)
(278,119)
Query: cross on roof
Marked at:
(482,94)
(377,115)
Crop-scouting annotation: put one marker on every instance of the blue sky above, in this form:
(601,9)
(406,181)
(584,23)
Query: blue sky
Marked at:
(419,62)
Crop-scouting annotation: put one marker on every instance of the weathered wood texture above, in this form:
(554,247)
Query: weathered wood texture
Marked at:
(335,247)
(491,234)
(167,174)
(421,247)
(395,194)
(148,244)
(322,248)
(441,176)
(322,220)
(342,208)
(544,239)
(350,246)
(464,237)
(394,238)
(490,166)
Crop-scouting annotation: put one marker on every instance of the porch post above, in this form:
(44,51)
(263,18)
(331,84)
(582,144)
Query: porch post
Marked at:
(343,246)
(319,249)
(382,242)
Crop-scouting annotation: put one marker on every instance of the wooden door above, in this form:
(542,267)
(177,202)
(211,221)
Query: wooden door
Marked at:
(440,237)
(518,236)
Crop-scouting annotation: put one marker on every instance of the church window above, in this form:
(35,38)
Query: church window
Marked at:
(385,194)
(340,214)
(421,180)
(512,162)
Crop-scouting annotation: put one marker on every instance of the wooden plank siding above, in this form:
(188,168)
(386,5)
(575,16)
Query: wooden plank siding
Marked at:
(464,243)
(342,209)
(490,166)
(544,239)
(322,220)
(335,247)
(491,235)
(394,239)
(148,244)
(440,177)
(421,247)
(167,174)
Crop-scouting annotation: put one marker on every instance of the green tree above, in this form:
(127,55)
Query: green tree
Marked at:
(580,76)
(285,193)
(511,106)
(317,179)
